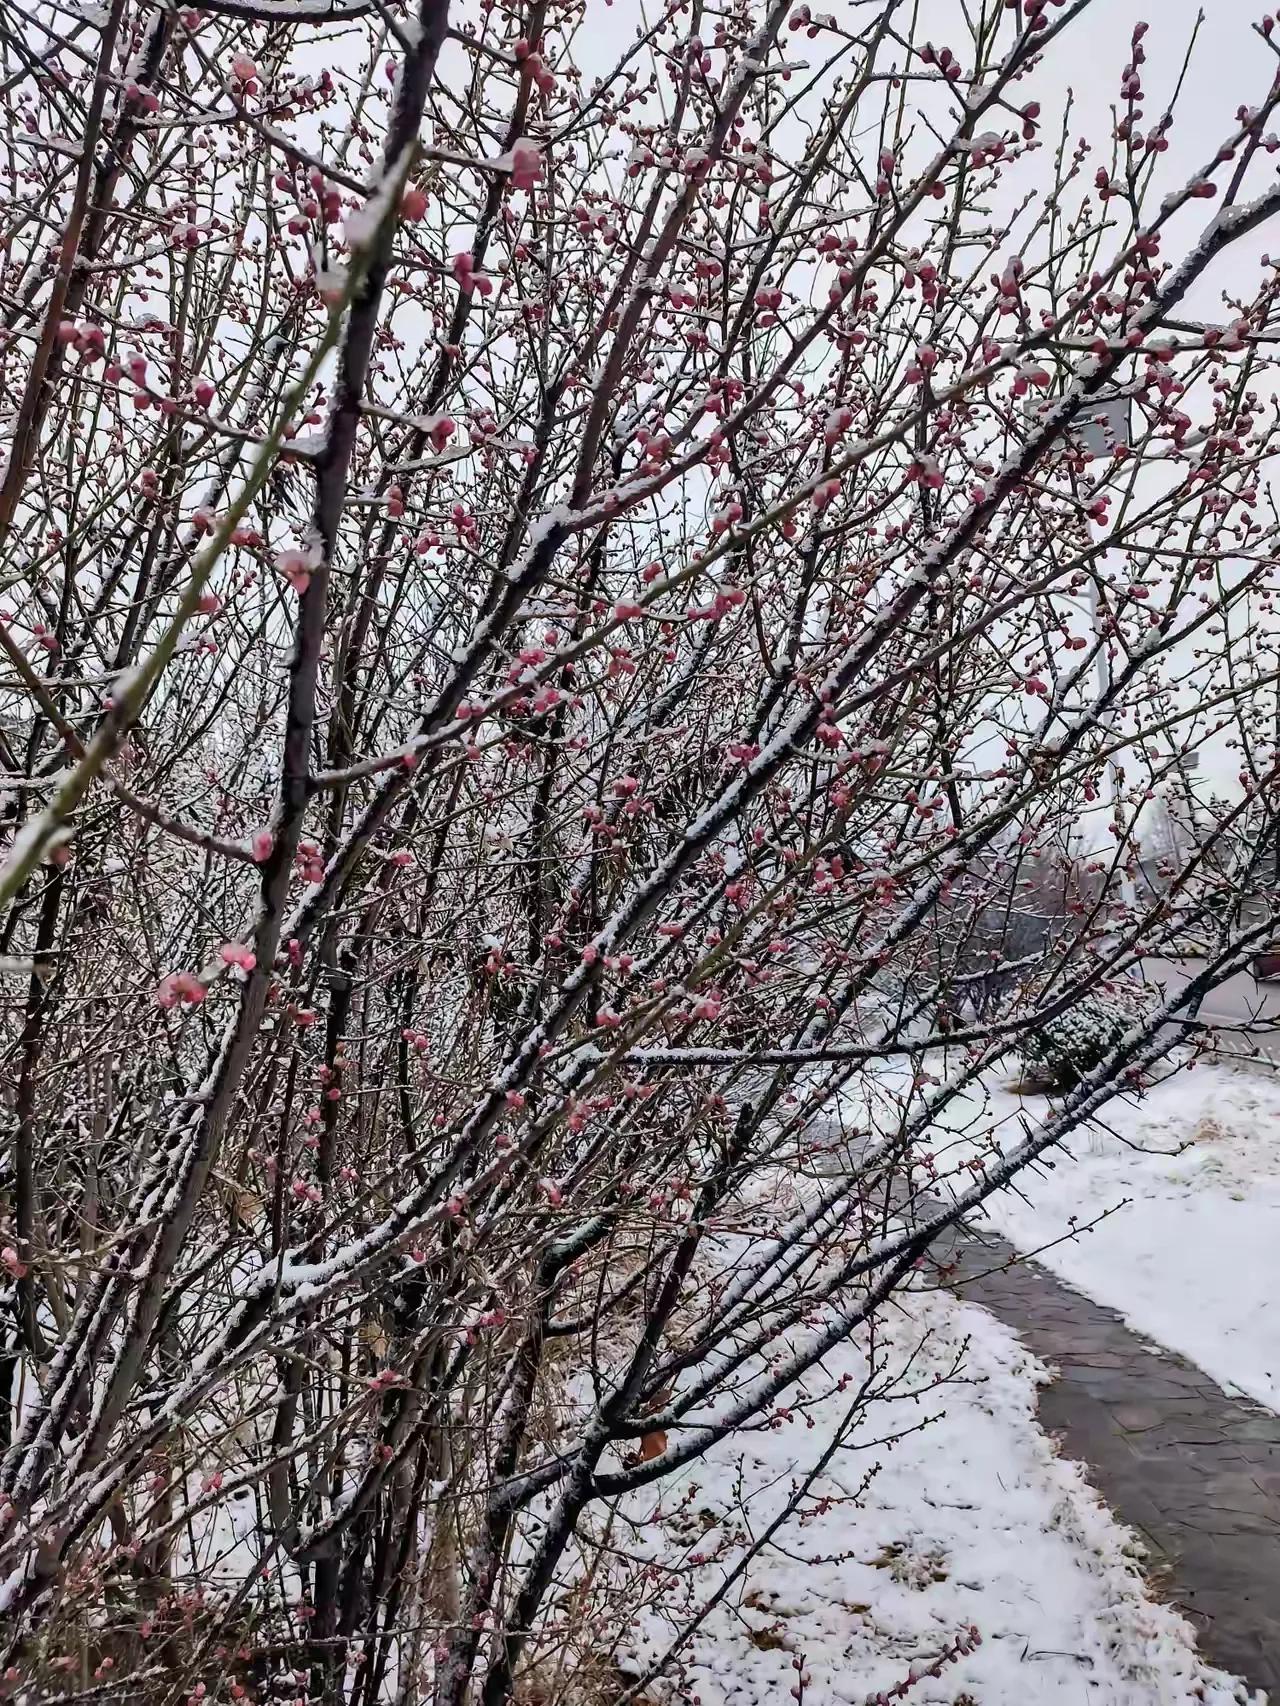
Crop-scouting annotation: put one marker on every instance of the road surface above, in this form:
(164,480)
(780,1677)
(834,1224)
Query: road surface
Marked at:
(1245,1013)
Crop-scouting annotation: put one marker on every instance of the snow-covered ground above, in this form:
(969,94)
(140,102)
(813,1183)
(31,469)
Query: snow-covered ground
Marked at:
(971,1520)
(1191,1261)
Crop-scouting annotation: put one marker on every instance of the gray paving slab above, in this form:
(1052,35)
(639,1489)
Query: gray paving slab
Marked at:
(1193,1470)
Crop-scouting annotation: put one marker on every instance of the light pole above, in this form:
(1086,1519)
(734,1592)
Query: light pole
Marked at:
(1105,427)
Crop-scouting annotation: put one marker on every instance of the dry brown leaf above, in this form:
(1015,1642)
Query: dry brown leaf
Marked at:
(652,1445)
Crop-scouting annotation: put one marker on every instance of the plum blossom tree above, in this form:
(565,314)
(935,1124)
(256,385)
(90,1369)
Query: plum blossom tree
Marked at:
(552,611)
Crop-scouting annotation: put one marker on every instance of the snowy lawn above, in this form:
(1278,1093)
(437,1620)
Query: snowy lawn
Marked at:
(1191,1261)
(970,1520)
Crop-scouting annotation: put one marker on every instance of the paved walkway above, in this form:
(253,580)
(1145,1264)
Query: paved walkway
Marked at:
(1195,1472)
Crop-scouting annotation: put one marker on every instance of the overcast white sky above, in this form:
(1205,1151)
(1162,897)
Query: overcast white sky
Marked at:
(1230,66)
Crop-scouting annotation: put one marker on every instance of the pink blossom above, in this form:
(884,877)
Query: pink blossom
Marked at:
(526,165)
(464,270)
(177,987)
(295,565)
(236,954)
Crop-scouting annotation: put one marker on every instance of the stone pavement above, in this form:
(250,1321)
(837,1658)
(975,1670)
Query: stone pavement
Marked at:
(1195,1472)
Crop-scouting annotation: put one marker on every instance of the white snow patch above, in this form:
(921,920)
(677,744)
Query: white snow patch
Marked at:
(972,1520)
(1191,1260)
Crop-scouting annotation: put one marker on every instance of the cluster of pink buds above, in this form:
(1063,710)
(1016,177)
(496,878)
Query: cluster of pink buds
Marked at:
(1029,374)
(467,525)
(526,165)
(768,299)
(927,275)
(141,97)
(943,58)
(413,203)
(837,423)
(925,362)
(656,447)
(323,202)
(185,234)
(724,600)
(244,74)
(527,55)
(180,988)
(439,429)
(309,864)
(88,340)
(464,270)
(987,147)
(960,1648)
(296,566)
(1009,288)
(803,19)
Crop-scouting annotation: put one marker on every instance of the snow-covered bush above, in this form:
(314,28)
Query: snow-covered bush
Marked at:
(1064,1049)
